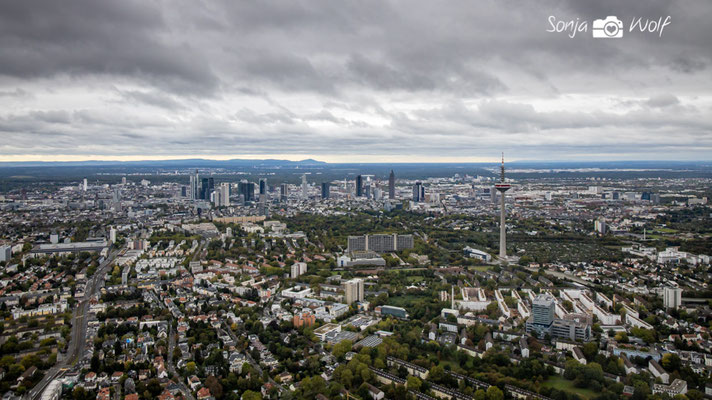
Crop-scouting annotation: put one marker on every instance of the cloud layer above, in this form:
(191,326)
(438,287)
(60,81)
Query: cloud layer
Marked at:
(349,81)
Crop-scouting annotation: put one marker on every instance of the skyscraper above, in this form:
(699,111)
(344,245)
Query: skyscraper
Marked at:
(194,183)
(418,192)
(392,186)
(305,193)
(247,190)
(501,188)
(359,186)
(353,290)
(191,188)
(224,194)
(263,186)
(283,192)
(325,190)
(206,188)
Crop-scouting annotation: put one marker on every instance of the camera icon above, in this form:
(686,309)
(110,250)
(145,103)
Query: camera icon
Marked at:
(609,28)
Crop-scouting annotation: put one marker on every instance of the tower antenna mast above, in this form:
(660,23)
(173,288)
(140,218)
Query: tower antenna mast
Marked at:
(502,187)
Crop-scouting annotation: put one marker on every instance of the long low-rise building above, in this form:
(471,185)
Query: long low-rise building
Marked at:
(92,246)
(397,312)
(412,369)
(44,309)
(678,386)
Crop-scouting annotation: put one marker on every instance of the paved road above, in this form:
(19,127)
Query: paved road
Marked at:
(171,367)
(77,337)
(562,275)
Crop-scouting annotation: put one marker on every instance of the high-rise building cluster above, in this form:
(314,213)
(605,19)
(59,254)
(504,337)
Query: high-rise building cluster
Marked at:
(259,192)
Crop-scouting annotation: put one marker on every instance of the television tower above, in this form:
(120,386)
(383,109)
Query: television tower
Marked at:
(502,187)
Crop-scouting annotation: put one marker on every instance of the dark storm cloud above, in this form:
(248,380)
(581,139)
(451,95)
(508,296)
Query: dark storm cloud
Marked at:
(326,77)
(80,37)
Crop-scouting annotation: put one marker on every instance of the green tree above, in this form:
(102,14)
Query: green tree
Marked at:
(250,395)
(80,394)
(190,367)
(344,375)
(494,393)
(590,350)
(437,373)
(671,362)
(414,383)
(341,348)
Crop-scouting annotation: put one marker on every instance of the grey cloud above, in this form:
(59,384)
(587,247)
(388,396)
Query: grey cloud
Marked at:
(255,76)
(80,37)
(153,97)
(663,100)
(17,93)
(53,117)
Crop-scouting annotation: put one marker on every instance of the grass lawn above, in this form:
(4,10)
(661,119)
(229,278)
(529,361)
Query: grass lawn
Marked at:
(481,268)
(415,278)
(558,382)
(666,230)
(403,301)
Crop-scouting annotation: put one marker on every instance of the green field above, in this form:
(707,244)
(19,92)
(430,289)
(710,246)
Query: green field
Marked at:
(415,279)
(666,230)
(566,385)
(482,268)
(403,301)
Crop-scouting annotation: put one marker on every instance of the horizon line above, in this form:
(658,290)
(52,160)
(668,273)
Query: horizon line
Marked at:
(5,162)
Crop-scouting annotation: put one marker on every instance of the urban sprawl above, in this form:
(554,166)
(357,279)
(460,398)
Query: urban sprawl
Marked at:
(203,285)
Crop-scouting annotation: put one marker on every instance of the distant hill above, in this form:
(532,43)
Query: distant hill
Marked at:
(178,163)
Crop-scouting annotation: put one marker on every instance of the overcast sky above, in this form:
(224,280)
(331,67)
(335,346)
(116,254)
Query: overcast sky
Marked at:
(352,81)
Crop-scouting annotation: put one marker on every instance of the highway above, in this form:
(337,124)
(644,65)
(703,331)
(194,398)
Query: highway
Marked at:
(77,337)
